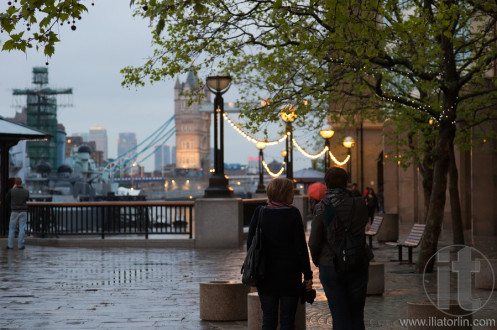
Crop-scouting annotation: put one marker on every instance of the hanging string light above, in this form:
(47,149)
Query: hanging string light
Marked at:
(338,162)
(248,137)
(274,175)
(308,155)
(283,138)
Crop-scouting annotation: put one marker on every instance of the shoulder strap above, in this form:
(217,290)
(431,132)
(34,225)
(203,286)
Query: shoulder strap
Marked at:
(347,224)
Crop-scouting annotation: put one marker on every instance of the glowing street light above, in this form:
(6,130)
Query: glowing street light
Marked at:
(327,133)
(261,189)
(218,182)
(348,143)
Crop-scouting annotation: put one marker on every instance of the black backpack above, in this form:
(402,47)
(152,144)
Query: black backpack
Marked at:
(353,253)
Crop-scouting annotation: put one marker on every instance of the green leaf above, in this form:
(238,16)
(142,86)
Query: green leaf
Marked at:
(8,45)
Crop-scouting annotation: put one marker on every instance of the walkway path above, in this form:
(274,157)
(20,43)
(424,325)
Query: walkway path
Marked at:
(137,288)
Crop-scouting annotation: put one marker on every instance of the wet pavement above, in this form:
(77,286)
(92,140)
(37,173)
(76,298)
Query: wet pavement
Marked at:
(48,287)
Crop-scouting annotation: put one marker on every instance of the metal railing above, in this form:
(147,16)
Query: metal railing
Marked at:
(47,219)
(110,218)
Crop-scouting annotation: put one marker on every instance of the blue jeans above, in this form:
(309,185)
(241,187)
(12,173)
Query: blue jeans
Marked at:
(346,296)
(270,305)
(15,218)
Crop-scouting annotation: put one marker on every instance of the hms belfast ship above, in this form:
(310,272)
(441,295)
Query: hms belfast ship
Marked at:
(43,165)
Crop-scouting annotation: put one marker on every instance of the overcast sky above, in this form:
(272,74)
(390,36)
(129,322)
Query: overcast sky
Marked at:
(88,60)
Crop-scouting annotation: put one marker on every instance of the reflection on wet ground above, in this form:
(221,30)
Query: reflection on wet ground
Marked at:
(78,288)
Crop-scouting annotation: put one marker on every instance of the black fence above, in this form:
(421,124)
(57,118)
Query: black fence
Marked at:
(48,219)
(110,218)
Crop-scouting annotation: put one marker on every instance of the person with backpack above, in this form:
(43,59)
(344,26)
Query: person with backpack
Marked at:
(286,258)
(338,247)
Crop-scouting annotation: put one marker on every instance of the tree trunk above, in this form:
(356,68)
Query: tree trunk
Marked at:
(455,203)
(427,174)
(436,207)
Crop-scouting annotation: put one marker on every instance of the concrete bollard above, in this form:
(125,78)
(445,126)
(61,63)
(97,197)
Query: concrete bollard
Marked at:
(223,301)
(389,230)
(455,318)
(485,278)
(223,214)
(254,312)
(376,279)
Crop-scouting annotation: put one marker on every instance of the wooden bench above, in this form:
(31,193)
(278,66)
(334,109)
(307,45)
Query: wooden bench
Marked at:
(411,242)
(373,230)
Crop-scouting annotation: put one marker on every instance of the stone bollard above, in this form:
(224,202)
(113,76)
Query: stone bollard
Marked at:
(223,214)
(389,230)
(254,312)
(376,279)
(223,301)
(455,318)
(485,278)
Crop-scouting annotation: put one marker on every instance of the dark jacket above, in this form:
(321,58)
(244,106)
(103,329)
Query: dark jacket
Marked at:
(285,250)
(321,250)
(18,197)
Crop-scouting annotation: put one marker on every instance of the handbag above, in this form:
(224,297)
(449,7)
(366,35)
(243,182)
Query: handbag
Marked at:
(253,266)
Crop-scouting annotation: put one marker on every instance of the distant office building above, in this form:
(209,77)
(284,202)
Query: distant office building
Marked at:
(126,144)
(73,143)
(84,136)
(162,156)
(99,135)
(126,150)
(173,155)
(253,165)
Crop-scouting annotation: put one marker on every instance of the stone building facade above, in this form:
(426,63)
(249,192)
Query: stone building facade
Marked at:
(192,128)
(403,190)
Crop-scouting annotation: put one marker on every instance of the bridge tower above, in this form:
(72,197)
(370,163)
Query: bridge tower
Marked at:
(192,128)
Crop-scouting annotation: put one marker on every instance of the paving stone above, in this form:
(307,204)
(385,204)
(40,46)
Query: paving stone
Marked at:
(45,287)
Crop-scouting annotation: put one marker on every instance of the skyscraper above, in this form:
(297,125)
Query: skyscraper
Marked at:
(84,136)
(162,156)
(99,135)
(126,148)
(125,143)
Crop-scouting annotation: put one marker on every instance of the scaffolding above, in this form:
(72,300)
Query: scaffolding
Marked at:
(41,113)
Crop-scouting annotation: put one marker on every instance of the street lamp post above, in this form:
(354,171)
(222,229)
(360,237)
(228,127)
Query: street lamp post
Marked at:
(327,133)
(261,189)
(348,143)
(218,182)
(288,115)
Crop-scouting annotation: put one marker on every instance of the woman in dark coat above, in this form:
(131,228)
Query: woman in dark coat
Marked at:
(286,255)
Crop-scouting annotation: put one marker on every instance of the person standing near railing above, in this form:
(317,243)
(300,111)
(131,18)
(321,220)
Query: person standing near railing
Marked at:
(18,197)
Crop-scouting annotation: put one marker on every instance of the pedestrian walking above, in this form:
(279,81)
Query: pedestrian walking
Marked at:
(371,203)
(18,197)
(286,256)
(335,215)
